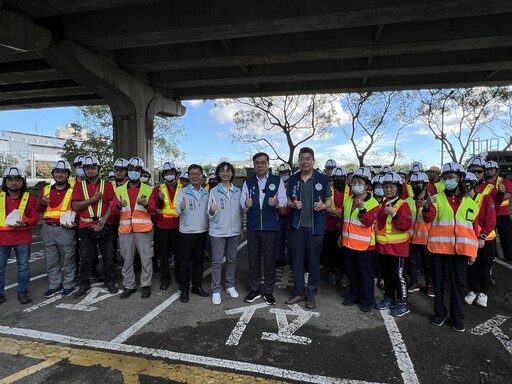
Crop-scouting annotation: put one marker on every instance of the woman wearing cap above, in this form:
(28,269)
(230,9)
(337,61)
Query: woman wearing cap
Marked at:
(391,233)
(479,274)
(359,213)
(225,227)
(452,240)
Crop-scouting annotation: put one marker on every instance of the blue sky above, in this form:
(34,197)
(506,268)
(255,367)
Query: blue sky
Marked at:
(208,135)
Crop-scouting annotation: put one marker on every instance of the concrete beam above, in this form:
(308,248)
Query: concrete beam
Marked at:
(20,34)
(128,97)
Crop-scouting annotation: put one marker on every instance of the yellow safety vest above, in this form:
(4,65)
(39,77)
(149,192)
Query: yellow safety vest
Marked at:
(169,209)
(3,210)
(389,234)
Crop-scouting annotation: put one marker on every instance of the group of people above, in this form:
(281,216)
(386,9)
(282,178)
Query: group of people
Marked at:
(361,224)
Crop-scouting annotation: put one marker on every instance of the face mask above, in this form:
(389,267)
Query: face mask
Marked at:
(378,192)
(285,178)
(358,189)
(339,185)
(144,179)
(417,190)
(170,178)
(134,175)
(451,184)
(80,172)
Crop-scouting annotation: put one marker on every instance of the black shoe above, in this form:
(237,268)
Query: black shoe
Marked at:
(311,302)
(253,295)
(184,297)
(111,287)
(24,298)
(366,308)
(127,293)
(348,302)
(294,300)
(199,291)
(81,293)
(438,320)
(146,293)
(164,286)
(2,298)
(269,299)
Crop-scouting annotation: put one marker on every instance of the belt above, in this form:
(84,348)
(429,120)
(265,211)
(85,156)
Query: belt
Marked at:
(54,224)
(90,219)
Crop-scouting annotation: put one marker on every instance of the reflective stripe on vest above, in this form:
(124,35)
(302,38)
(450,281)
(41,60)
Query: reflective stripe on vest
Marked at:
(89,208)
(453,234)
(354,234)
(389,234)
(65,204)
(140,219)
(169,209)
(479,198)
(418,234)
(505,202)
(3,211)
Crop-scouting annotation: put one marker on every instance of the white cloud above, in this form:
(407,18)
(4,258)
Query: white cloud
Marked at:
(194,103)
(423,132)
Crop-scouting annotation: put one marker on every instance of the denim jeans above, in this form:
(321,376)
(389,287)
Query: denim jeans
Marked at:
(22,252)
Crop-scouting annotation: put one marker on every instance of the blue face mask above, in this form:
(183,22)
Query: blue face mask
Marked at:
(358,189)
(451,184)
(80,172)
(134,175)
(378,192)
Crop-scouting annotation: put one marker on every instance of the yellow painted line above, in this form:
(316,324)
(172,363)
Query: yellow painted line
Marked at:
(29,371)
(129,366)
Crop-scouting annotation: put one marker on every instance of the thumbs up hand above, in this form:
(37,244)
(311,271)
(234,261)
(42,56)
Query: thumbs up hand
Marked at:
(142,201)
(45,200)
(248,201)
(273,201)
(297,204)
(161,196)
(183,204)
(389,210)
(319,205)
(501,188)
(213,206)
(123,203)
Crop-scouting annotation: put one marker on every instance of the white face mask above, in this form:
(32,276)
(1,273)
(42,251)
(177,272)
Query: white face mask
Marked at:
(170,178)
(80,172)
(379,192)
(358,189)
(144,179)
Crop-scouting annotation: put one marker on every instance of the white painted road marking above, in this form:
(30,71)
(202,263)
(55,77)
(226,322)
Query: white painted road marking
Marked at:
(183,357)
(91,298)
(286,330)
(493,326)
(247,314)
(402,356)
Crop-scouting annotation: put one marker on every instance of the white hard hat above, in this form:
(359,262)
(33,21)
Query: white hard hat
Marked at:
(111,174)
(62,165)
(492,164)
(184,175)
(377,179)
(14,172)
(418,177)
(78,160)
(284,168)
(453,167)
(121,163)
(169,166)
(385,169)
(416,167)
(471,177)
(339,171)
(477,162)
(330,163)
(392,177)
(363,173)
(136,162)
(90,160)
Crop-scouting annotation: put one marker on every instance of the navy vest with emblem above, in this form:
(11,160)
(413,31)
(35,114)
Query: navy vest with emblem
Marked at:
(320,188)
(265,218)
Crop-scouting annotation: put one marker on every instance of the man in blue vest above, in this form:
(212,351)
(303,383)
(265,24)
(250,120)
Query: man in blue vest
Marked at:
(309,195)
(262,196)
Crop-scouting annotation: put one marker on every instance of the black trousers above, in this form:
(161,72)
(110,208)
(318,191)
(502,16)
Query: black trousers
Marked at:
(360,276)
(393,273)
(479,274)
(504,227)
(88,248)
(262,245)
(192,247)
(167,240)
(333,252)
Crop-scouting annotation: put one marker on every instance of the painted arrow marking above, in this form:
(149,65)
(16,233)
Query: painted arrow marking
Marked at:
(493,326)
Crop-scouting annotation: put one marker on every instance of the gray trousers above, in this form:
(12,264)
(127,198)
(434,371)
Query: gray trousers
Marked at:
(223,246)
(59,245)
(143,242)
(262,245)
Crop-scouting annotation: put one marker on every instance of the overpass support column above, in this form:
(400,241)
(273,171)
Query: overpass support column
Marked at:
(133,102)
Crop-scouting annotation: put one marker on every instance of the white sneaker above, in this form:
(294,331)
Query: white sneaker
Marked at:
(232,292)
(481,300)
(216,298)
(470,297)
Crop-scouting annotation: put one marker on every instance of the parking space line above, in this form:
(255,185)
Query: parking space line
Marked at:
(505,264)
(31,279)
(156,311)
(237,366)
(29,371)
(402,356)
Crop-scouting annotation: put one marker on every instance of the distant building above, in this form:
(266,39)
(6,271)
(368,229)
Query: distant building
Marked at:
(26,149)
(71,131)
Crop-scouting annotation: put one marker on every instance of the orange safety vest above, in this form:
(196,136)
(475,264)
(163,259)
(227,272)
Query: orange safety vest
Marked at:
(65,205)
(418,234)
(140,219)
(479,198)
(452,233)
(3,211)
(389,234)
(354,234)
(169,209)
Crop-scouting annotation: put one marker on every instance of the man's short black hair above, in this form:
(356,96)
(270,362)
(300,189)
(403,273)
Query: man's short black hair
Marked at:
(259,154)
(307,150)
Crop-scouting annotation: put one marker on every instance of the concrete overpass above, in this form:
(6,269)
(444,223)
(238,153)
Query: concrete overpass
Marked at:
(142,57)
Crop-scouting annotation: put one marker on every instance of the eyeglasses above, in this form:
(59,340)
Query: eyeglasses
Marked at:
(226,171)
(194,174)
(477,170)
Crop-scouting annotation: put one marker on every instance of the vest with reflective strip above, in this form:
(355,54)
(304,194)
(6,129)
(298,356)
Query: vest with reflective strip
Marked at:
(389,234)
(453,234)
(65,204)
(479,198)
(140,219)
(354,235)
(418,234)
(505,202)
(169,209)
(3,212)
(89,208)
(72,181)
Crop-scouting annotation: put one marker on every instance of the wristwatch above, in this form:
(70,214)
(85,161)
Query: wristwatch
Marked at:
(483,237)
